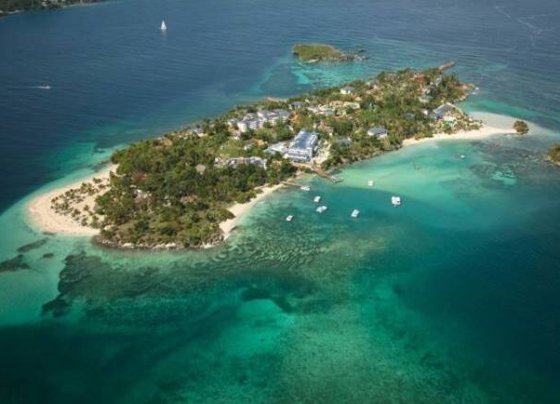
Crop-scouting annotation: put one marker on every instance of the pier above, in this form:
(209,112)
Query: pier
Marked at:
(319,171)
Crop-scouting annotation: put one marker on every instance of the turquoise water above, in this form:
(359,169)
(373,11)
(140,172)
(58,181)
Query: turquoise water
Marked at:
(452,297)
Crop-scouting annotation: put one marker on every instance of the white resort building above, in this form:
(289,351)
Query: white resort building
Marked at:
(378,132)
(303,147)
(347,90)
(253,121)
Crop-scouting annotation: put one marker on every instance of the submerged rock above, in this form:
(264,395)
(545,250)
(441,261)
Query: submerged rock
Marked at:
(57,307)
(13,264)
(32,246)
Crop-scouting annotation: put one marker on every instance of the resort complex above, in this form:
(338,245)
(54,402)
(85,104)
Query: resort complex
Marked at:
(175,191)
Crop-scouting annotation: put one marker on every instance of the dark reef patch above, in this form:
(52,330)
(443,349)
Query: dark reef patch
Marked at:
(32,246)
(13,264)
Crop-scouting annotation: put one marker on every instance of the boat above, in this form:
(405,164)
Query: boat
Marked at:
(317,199)
(396,200)
(355,213)
(289,218)
(370,183)
(321,209)
(163,26)
(305,188)
(462,156)
(44,87)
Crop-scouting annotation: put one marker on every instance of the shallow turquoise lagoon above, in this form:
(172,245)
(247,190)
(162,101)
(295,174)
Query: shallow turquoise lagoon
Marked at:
(451,297)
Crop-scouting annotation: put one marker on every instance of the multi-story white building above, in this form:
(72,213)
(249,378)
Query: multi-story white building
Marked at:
(256,121)
(303,147)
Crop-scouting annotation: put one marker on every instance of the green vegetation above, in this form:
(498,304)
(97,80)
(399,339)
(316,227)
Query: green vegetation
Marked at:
(554,153)
(175,190)
(521,127)
(8,6)
(171,190)
(317,52)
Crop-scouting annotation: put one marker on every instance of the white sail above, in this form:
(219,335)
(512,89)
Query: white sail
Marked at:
(163,26)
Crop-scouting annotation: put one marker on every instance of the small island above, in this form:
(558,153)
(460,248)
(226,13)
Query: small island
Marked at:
(318,52)
(186,189)
(521,127)
(554,154)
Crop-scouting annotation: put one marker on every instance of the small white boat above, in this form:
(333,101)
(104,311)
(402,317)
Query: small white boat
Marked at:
(44,87)
(462,156)
(370,183)
(355,213)
(163,26)
(317,199)
(321,209)
(396,200)
(305,188)
(289,218)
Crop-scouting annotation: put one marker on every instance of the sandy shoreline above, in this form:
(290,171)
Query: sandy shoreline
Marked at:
(483,132)
(42,216)
(240,209)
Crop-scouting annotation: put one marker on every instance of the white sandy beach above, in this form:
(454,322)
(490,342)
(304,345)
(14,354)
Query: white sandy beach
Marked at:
(241,209)
(41,214)
(483,132)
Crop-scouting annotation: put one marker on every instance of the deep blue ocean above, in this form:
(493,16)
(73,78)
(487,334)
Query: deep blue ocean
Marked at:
(454,297)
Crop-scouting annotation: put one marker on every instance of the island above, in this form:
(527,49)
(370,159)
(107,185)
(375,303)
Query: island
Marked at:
(554,154)
(318,52)
(521,127)
(189,187)
(8,7)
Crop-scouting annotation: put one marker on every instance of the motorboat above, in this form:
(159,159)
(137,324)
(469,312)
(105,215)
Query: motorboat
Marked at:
(321,209)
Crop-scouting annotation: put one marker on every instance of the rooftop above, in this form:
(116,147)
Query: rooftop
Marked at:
(377,131)
(305,140)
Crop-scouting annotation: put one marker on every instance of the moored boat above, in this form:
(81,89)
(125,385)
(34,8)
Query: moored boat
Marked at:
(396,200)
(355,213)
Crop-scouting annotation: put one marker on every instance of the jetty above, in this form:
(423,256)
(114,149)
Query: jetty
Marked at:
(319,171)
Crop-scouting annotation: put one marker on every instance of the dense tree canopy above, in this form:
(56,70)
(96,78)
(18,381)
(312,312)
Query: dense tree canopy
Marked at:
(521,127)
(177,188)
(173,192)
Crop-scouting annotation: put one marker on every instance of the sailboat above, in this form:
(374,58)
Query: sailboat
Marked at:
(163,26)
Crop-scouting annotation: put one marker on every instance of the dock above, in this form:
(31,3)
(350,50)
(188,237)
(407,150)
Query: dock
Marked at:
(319,171)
